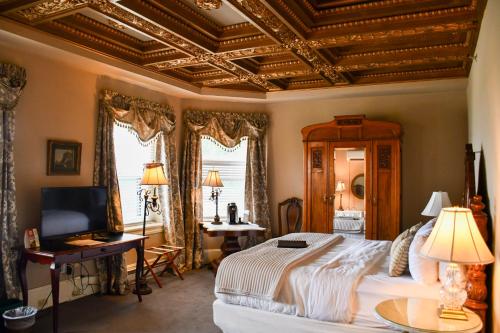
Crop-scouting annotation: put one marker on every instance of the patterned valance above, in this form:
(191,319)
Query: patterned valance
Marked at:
(228,128)
(12,82)
(227,119)
(147,119)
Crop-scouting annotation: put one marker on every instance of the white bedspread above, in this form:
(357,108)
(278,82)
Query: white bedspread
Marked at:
(260,271)
(333,285)
(347,224)
(374,287)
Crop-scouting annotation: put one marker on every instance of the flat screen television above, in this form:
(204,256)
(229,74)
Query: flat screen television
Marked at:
(73,211)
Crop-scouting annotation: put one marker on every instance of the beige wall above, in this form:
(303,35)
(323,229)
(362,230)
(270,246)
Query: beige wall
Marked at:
(484,120)
(59,102)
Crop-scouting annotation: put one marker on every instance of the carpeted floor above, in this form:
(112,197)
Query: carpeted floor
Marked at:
(180,306)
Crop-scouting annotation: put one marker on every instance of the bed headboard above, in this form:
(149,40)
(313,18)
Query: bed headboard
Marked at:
(477,291)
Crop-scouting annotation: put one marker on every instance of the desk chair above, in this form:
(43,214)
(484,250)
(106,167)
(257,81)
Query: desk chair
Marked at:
(290,216)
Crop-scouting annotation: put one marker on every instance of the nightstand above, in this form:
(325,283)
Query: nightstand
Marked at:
(421,315)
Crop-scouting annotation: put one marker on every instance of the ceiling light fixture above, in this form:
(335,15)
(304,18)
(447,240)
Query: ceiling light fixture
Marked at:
(208,4)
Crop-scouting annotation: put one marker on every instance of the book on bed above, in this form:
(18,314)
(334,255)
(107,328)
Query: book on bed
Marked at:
(292,243)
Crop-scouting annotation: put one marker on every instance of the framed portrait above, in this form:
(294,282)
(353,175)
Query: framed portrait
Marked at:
(63,157)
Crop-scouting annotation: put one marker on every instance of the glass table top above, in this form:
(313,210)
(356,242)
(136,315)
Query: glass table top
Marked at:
(422,315)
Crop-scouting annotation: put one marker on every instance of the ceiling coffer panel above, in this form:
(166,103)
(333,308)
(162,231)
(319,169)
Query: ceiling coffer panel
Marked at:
(264,45)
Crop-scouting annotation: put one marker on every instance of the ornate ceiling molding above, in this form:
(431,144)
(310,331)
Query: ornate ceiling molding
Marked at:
(208,4)
(52,7)
(282,44)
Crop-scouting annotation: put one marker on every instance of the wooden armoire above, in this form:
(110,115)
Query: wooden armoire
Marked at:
(381,143)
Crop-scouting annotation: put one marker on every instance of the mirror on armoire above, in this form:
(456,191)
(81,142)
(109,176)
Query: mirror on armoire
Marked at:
(352,177)
(349,203)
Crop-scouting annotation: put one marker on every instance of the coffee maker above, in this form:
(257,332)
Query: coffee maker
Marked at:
(232,213)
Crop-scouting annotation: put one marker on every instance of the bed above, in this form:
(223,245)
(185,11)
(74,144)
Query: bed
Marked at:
(289,309)
(349,222)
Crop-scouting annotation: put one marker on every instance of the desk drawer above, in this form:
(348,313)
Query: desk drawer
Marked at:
(101,251)
(68,258)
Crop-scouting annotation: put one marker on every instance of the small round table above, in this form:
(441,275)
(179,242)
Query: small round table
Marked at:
(230,232)
(422,315)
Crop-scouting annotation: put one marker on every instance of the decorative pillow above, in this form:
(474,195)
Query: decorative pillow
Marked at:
(399,251)
(422,269)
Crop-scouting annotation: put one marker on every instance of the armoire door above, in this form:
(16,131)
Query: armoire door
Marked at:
(317,187)
(386,195)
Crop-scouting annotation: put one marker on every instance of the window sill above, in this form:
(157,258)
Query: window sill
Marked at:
(151,228)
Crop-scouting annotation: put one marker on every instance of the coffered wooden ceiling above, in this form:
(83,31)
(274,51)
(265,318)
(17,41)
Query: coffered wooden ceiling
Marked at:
(270,45)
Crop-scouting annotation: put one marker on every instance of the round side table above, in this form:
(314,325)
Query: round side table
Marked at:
(422,315)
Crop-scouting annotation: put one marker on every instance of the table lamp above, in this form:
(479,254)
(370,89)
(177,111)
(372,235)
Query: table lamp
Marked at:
(213,180)
(340,188)
(438,201)
(455,239)
(153,176)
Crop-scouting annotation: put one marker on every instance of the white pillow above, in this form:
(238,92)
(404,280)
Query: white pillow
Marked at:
(423,270)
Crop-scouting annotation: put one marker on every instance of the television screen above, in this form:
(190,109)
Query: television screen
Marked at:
(70,211)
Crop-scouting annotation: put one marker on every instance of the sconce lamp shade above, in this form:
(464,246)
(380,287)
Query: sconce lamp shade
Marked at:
(438,201)
(340,186)
(213,179)
(154,175)
(456,238)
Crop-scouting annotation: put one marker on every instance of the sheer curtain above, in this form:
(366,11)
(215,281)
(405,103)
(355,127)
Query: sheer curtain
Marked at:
(228,128)
(152,123)
(12,82)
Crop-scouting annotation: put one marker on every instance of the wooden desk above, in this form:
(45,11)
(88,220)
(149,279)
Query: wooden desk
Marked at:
(58,253)
(230,232)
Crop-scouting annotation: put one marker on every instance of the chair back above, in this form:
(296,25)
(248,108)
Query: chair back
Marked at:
(290,216)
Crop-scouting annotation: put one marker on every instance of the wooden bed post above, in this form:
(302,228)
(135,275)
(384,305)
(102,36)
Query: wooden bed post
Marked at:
(476,276)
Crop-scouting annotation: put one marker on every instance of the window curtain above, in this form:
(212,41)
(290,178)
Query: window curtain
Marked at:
(151,123)
(12,82)
(228,128)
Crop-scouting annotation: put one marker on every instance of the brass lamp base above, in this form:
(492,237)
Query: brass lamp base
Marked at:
(453,314)
(216,220)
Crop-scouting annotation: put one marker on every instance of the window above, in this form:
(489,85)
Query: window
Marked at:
(231,164)
(130,158)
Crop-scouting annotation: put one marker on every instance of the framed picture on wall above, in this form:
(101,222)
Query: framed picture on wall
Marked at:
(63,157)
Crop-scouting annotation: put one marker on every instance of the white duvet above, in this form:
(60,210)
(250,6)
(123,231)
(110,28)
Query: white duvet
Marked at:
(324,290)
(332,287)
(375,286)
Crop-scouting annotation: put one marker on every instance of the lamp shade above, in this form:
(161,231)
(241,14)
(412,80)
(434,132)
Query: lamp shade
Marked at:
(438,201)
(456,238)
(340,186)
(154,175)
(213,179)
